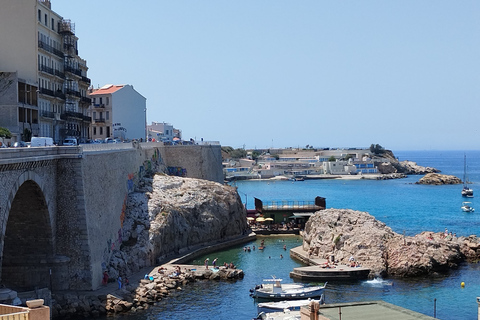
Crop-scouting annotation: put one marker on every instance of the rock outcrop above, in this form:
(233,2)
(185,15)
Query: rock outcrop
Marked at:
(346,233)
(171,215)
(439,179)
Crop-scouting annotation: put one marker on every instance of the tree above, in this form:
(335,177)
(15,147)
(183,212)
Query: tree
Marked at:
(5,133)
(332,159)
(27,135)
(255,154)
(376,149)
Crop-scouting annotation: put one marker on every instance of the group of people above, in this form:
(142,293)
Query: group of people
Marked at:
(445,235)
(121,282)
(214,264)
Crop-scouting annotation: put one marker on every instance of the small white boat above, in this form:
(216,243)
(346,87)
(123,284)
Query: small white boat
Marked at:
(292,305)
(273,289)
(466,191)
(467,207)
(280,315)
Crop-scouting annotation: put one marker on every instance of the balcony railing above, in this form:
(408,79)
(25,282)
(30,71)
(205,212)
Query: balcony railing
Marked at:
(60,94)
(86,100)
(48,114)
(75,71)
(47,92)
(60,74)
(97,105)
(100,120)
(46,69)
(73,93)
(46,47)
(87,119)
(71,114)
(86,80)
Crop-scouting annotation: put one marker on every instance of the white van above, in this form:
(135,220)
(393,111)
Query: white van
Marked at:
(41,142)
(70,142)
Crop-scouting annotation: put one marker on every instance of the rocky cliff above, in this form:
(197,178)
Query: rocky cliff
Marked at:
(346,233)
(171,215)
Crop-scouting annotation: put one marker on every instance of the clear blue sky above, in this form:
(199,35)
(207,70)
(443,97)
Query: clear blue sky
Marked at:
(275,73)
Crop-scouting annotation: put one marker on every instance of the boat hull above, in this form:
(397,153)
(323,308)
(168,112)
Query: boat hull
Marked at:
(305,293)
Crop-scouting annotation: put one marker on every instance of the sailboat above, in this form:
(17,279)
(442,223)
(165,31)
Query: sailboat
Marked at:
(466,191)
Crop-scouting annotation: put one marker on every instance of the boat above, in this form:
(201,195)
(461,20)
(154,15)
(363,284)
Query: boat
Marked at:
(273,289)
(280,315)
(466,191)
(467,207)
(292,305)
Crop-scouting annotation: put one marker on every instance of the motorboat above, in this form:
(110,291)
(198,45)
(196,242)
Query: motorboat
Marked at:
(467,207)
(466,191)
(292,305)
(273,289)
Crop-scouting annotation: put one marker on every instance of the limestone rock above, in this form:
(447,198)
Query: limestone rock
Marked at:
(345,233)
(438,179)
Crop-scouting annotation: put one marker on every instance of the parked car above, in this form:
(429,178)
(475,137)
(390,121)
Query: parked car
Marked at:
(19,144)
(70,142)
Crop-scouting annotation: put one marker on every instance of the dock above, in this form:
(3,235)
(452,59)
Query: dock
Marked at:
(316,271)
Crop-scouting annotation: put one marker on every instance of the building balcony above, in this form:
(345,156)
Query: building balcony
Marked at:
(60,74)
(73,93)
(48,48)
(86,100)
(47,114)
(47,92)
(71,115)
(87,119)
(60,94)
(86,80)
(97,105)
(72,70)
(65,26)
(44,68)
(102,120)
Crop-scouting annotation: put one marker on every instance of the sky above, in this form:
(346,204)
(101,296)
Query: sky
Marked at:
(404,74)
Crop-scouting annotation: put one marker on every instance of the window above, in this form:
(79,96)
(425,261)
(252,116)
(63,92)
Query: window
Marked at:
(94,131)
(94,115)
(39,15)
(46,21)
(53,24)
(108,101)
(101,130)
(107,115)
(101,100)
(93,100)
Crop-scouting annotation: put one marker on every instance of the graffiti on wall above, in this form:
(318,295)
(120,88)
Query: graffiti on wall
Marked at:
(177,171)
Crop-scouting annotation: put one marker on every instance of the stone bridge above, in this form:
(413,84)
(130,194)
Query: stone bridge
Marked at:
(62,208)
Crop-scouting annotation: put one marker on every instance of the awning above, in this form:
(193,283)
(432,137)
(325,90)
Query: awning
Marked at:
(301,215)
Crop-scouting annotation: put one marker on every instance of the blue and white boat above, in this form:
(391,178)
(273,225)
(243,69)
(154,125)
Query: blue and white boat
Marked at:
(292,305)
(273,289)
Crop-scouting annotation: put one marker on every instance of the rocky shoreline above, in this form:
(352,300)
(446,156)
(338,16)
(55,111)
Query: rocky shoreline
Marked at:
(345,233)
(140,296)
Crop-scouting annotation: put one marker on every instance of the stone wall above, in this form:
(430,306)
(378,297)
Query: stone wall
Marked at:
(201,162)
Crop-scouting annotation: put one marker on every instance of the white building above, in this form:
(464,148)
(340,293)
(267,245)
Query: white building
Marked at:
(161,131)
(43,81)
(119,112)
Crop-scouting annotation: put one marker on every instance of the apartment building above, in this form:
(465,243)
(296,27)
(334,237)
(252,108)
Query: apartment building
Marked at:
(43,80)
(117,112)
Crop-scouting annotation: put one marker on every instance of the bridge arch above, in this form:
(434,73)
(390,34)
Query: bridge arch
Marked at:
(28,242)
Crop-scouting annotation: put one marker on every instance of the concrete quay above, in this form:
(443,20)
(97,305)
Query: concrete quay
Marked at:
(317,270)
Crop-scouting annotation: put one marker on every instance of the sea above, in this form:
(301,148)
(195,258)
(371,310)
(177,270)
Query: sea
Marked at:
(404,206)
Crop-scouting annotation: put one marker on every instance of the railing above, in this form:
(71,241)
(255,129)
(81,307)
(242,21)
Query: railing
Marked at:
(47,92)
(86,100)
(48,114)
(96,105)
(289,205)
(73,93)
(60,94)
(46,69)
(86,80)
(72,114)
(100,120)
(60,74)
(47,47)
(87,119)
(75,71)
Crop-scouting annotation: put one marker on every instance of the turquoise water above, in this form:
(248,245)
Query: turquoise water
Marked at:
(401,204)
